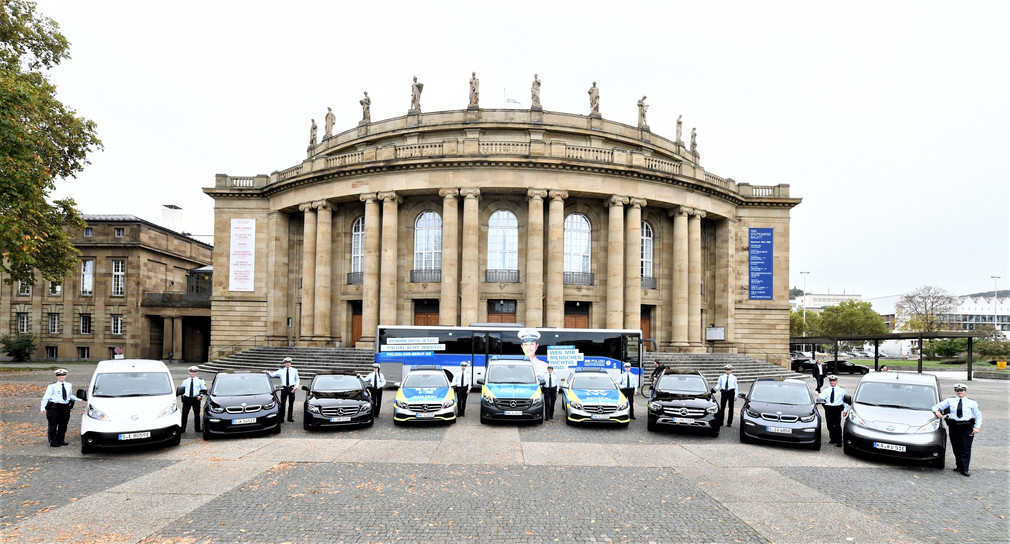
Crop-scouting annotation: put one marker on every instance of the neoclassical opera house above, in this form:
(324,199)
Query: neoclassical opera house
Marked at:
(500,215)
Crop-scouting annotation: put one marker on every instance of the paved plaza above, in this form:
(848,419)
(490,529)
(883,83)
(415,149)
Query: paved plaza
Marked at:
(479,483)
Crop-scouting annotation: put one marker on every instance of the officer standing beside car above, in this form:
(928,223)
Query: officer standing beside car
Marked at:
(289,379)
(727,390)
(550,388)
(461,385)
(834,409)
(192,393)
(627,383)
(963,422)
(375,382)
(56,404)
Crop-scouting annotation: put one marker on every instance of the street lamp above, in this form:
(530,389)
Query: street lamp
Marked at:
(995,322)
(804,274)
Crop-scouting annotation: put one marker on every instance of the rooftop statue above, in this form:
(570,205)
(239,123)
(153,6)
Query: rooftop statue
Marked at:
(474,90)
(312,134)
(330,119)
(694,142)
(535,92)
(366,109)
(642,107)
(415,96)
(680,128)
(594,101)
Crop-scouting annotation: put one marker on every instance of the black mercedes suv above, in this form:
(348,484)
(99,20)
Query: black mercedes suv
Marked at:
(682,399)
(240,402)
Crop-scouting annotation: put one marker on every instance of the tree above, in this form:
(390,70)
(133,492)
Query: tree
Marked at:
(41,140)
(20,347)
(925,309)
(796,327)
(850,318)
(992,343)
(794,292)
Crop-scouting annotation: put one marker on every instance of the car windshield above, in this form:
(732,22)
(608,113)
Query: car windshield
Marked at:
(336,383)
(682,385)
(780,393)
(132,384)
(511,374)
(897,395)
(426,379)
(593,381)
(231,385)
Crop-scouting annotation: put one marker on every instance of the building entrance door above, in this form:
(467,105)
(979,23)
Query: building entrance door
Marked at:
(426,312)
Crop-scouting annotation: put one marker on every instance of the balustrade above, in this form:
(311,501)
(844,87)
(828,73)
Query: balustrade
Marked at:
(345,159)
(504,148)
(418,150)
(501,275)
(241,182)
(589,153)
(664,166)
(289,173)
(426,275)
(578,278)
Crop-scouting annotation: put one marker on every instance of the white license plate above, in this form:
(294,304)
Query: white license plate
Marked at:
(683,420)
(339,419)
(891,447)
(513,412)
(135,436)
(243,420)
(600,416)
(780,430)
(429,414)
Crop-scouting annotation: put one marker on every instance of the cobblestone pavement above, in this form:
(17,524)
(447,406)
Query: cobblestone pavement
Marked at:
(477,483)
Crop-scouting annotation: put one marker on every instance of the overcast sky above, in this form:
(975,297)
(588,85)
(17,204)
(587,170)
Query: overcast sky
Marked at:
(891,120)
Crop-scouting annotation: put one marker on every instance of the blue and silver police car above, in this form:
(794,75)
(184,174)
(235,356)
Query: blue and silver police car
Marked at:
(510,391)
(425,395)
(590,395)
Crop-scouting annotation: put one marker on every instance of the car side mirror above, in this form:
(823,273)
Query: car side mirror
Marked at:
(278,388)
(479,381)
(847,399)
(305,388)
(564,385)
(543,382)
(818,400)
(713,390)
(742,396)
(178,391)
(83,395)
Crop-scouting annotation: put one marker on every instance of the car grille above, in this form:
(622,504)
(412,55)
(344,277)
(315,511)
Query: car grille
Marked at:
(240,410)
(782,418)
(599,408)
(512,403)
(338,411)
(424,406)
(683,412)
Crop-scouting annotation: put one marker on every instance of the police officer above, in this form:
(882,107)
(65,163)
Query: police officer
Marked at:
(963,423)
(192,393)
(375,382)
(834,409)
(461,384)
(727,391)
(56,404)
(289,379)
(628,383)
(550,388)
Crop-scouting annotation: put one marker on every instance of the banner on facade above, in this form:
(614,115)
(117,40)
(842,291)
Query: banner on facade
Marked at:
(762,263)
(242,260)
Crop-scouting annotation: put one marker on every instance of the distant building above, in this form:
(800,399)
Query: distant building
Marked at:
(139,287)
(968,313)
(816,303)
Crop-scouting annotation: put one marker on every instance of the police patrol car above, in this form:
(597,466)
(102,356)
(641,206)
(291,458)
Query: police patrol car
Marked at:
(425,395)
(510,391)
(591,395)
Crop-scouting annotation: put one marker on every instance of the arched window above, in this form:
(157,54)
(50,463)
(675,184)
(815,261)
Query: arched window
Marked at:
(428,241)
(646,250)
(358,244)
(503,241)
(578,249)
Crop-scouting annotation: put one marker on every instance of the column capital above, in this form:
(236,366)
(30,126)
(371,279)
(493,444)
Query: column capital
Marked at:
(469,192)
(448,193)
(306,207)
(615,201)
(321,205)
(637,202)
(700,214)
(681,211)
(367,197)
(558,195)
(389,195)
(536,193)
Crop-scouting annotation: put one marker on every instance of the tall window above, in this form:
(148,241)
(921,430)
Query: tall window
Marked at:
(85,323)
(83,352)
(503,241)
(118,278)
(24,325)
(358,244)
(428,242)
(24,289)
(87,278)
(117,324)
(646,250)
(54,323)
(52,352)
(578,244)
(55,288)
(119,232)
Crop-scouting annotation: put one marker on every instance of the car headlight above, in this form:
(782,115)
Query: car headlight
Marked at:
(269,405)
(365,407)
(448,403)
(575,404)
(809,418)
(655,407)
(215,408)
(858,420)
(487,397)
(401,404)
(930,427)
(536,401)
(170,409)
(312,408)
(712,409)
(622,406)
(753,414)
(95,413)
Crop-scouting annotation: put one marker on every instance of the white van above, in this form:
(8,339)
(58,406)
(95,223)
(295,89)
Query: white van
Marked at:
(130,402)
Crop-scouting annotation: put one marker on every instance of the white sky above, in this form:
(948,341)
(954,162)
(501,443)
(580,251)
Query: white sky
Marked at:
(891,120)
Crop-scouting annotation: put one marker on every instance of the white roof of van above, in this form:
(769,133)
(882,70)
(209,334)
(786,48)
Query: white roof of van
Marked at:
(131,365)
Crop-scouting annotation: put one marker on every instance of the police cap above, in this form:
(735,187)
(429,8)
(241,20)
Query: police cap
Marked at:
(194,368)
(960,387)
(61,372)
(832,378)
(528,335)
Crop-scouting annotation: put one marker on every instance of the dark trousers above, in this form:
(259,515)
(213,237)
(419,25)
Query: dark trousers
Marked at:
(550,398)
(960,442)
(58,416)
(726,397)
(820,382)
(630,394)
(461,393)
(833,418)
(191,403)
(376,399)
(287,398)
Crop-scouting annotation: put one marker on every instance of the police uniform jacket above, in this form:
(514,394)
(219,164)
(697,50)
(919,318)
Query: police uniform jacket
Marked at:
(54,394)
(839,398)
(282,373)
(375,380)
(726,381)
(969,410)
(551,381)
(627,381)
(198,387)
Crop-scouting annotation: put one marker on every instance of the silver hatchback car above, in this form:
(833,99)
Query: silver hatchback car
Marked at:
(891,416)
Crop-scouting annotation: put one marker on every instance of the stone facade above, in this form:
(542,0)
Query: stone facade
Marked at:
(135,289)
(496,189)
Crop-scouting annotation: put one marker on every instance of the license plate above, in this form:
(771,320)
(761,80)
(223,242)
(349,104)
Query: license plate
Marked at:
(135,436)
(780,430)
(513,412)
(339,419)
(426,415)
(244,420)
(683,420)
(891,447)
(600,416)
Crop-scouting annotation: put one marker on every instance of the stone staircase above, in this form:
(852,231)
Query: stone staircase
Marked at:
(308,361)
(711,365)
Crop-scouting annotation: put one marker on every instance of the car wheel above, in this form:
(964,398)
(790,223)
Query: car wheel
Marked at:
(939,462)
(305,425)
(652,425)
(86,448)
(206,433)
(714,431)
(846,449)
(277,429)
(744,439)
(483,418)
(176,442)
(816,446)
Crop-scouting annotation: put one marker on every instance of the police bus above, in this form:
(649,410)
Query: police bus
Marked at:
(397,348)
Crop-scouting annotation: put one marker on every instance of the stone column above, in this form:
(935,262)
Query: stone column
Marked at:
(535,258)
(177,338)
(448,304)
(324,241)
(168,327)
(725,281)
(308,270)
(694,280)
(469,267)
(680,276)
(388,268)
(280,302)
(615,262)
(370,273)
(556,259)
(633,265)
